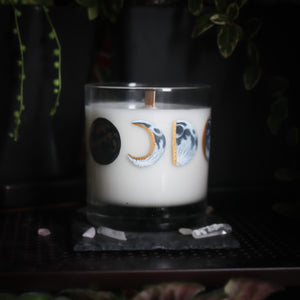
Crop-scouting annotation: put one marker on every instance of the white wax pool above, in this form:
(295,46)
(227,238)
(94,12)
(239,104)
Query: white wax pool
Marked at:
(136,182)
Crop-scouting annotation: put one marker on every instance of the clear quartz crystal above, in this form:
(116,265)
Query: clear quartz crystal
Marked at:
(112,233)
(207,231)
(211,230)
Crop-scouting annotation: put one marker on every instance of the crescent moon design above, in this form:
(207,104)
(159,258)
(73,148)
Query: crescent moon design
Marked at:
(185,142)
(158,145)
(206,139)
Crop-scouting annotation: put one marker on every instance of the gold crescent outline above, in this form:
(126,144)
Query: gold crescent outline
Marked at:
(152,143)
(174,156)
(204,140)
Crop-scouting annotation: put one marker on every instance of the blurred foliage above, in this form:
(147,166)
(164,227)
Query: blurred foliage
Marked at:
(234,289)
(232,29)
(224,15)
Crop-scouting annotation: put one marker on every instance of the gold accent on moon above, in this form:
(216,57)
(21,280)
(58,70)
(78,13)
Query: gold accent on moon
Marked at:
(152,143)
(204,140)
(174,156)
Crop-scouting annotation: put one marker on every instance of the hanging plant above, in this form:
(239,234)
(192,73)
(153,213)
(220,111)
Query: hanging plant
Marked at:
(108,9)
(22,48)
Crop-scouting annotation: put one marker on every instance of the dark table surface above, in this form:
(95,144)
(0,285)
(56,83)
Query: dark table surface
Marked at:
(269,248)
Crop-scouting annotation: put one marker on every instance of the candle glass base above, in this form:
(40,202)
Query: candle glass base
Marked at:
(147,219)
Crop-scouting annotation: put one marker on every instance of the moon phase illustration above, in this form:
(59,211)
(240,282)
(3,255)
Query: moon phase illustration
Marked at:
(158,145)
(105,141)
(206,139)
(185,142)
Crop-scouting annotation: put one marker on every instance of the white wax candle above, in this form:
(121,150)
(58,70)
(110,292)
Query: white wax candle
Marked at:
(161,184)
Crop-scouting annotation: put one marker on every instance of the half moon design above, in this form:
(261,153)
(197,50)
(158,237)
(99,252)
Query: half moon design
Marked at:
(158,145)
(185,142)
(206,139)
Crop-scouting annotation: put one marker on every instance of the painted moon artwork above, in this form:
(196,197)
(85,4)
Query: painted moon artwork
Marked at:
(158,145)
(105,141)
(185,142)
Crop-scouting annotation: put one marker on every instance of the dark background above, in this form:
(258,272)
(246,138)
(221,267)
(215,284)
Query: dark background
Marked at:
(148,43)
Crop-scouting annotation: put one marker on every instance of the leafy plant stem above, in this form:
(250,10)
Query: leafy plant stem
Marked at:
(17,113)
(57,82)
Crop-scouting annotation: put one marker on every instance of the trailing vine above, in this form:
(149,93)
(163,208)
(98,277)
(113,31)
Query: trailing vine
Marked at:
(57,82)
(22,48)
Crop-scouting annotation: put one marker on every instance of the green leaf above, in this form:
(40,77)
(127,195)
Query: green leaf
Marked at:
(23,48)
(52,112)
(292,136)
(195,7)
(18,13)
(203,23)
(17,114)
(15,31)
(252,27)
(93,12)
(52,35)
(232,11)
(22,76)
(227,39)
(56,64)
(221,5)
(219,19)
(251,76)
(56,52)
(56,82)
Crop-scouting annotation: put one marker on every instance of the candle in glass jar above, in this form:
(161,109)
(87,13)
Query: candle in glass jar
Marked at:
(156,157)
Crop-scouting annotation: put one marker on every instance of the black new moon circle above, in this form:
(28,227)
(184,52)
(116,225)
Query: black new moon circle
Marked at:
(105,141)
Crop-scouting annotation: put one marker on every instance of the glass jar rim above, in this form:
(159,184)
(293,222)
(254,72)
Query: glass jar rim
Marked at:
(148,86)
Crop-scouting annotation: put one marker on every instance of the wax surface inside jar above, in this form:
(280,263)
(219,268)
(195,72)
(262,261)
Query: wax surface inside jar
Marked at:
(161,184)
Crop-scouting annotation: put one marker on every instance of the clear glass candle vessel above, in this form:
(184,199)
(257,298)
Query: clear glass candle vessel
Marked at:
(147,155)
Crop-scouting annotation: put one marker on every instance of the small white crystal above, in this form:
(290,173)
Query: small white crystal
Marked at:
(112,233)
(90,233)
(185,231)
(44,232)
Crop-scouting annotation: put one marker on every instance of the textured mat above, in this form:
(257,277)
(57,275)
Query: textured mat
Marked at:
(169,240)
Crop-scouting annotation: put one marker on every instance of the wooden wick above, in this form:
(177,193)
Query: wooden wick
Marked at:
(150,98)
